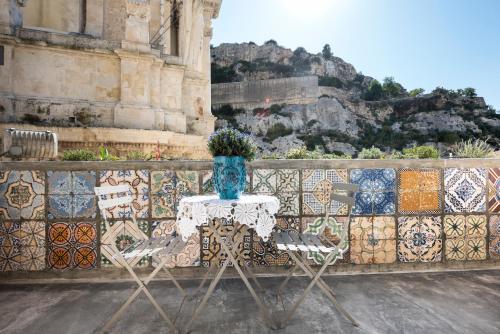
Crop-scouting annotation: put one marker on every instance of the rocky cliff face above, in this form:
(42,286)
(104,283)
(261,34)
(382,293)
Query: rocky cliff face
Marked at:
(352,110)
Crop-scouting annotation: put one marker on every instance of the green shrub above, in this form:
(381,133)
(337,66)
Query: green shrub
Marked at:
(271,42)
(416,92)
(375,91)
(278,130)
(421,152)
(104,155)
(79,155)
(276,110)
(330,82)
(222,74)
(138,155)
(371,153)
(303,153)
(472,149)
(231,142)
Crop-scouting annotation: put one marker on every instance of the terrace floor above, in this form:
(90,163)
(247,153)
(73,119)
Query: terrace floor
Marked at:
(444,302)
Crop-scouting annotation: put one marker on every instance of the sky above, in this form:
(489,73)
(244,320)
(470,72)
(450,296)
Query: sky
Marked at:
(421,43)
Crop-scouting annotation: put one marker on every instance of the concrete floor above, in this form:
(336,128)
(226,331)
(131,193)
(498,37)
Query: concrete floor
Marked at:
(448,302)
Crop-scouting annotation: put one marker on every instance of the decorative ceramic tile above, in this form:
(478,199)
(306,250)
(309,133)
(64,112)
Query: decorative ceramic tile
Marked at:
(460,249)
(419,239)
(190,254)
(465,237)
(373,240)
(264,181)
(211,251)
(494,225)
(22,195)
(419,191)
(77,183)
(374,180)
(317,185)
(495,247)
(72,206)
(289,204)
(331,229)
(465,190)
(22,246)
(123,234)
(168,188)
(59,183)
(72,246)
(494,190)
(287,180)
(207,186)
(376,194)
(139,186)
(265,253)
(163,206)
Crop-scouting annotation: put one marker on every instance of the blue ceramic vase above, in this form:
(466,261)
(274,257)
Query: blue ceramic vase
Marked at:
(229,176)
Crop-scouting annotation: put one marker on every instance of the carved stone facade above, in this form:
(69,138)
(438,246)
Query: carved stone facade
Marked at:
(108,64)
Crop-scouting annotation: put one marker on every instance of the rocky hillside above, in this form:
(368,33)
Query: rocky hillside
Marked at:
(352,111)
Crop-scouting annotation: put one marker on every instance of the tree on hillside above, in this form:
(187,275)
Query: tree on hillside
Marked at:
(416,92)
(375,91)
(392,88)
(327,52)
(299,51)
(470,92)
(272,42)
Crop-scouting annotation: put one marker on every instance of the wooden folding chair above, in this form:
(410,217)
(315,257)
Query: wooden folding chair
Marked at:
(294,244)
(109,197)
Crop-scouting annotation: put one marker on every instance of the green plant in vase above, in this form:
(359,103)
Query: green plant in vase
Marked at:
(230,149)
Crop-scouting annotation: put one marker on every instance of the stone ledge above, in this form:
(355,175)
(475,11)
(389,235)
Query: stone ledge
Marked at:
(109,275)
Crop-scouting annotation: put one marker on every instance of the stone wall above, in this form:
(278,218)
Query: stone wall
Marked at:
(409,214)
(253,94)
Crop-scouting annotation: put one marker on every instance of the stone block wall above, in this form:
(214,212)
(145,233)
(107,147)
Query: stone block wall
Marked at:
(253,94)
(439,212)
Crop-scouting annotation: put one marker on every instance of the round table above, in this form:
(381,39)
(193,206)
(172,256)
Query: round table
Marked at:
(255,211)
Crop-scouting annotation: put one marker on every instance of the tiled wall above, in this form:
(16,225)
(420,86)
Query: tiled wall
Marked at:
(403,213)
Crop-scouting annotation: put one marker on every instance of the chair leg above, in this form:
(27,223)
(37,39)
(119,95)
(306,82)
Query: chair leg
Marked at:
(142,287)
(264,310)
(210,290)
(316,280)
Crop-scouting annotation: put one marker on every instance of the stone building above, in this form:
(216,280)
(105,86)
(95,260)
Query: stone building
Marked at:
(127,74)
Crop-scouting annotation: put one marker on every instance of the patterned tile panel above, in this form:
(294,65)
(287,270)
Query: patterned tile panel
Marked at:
(22,195)
(168,188)
(465,190)
(265,253)
(72,246)
(264,181)
(465,237)
(494,190)
(420,239)
(494,242)
(287,180)
(316,187)
(189,256)
(71,195)
(211,250)
(123,234)
(419,191)
(331,229)
(373,240)
(377,191)
(138,180)
(22,246)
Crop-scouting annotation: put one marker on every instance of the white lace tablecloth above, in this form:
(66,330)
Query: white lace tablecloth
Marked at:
(255,211)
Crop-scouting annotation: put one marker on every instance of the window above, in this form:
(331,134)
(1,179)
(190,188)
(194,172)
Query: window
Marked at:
(1,54)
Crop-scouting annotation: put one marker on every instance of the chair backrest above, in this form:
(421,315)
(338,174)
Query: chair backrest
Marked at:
(348,199)
(112,196)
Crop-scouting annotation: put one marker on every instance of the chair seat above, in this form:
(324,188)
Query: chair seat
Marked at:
(165,245)
(304,242)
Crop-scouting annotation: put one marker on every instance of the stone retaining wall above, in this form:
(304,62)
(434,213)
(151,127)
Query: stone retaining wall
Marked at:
(253,94)
(436,212)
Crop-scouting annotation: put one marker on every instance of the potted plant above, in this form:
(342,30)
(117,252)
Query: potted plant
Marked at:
(230,149)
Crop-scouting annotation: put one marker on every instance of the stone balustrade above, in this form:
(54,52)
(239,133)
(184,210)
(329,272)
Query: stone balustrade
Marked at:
(437,212)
